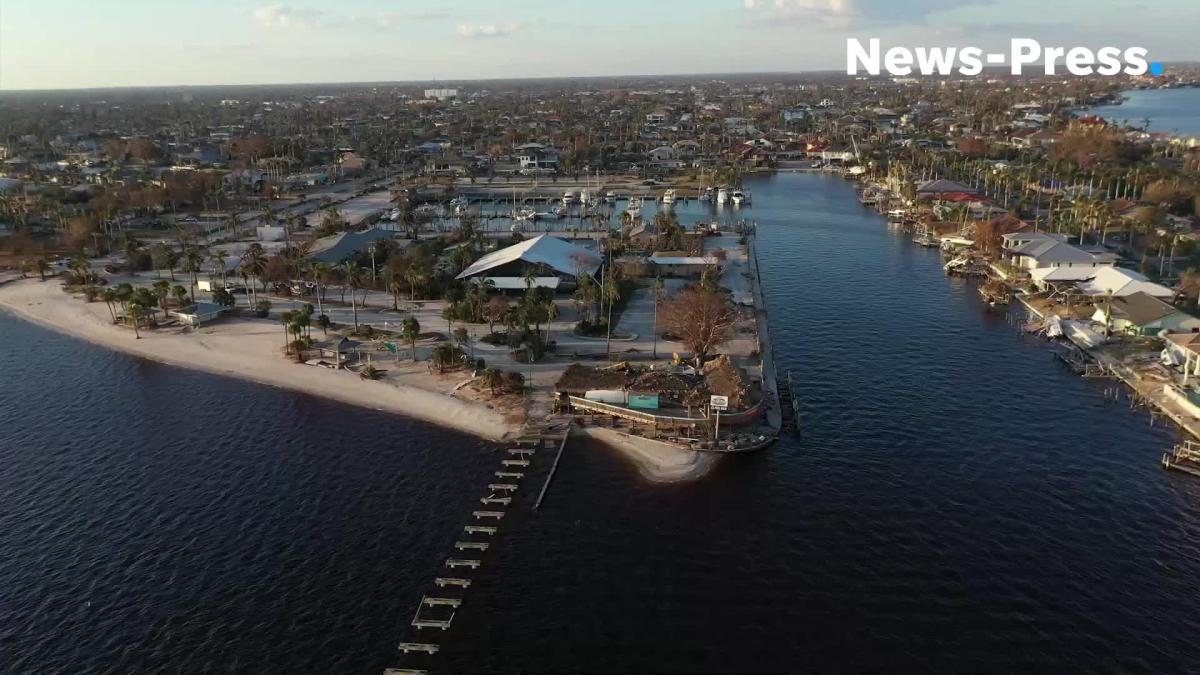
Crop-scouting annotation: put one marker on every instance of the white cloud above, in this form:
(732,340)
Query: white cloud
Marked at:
(845,12)
(283,16)
(400,19)
(488,30)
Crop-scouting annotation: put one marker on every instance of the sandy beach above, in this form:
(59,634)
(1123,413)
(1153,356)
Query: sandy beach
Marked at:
(656,461)
(250,349)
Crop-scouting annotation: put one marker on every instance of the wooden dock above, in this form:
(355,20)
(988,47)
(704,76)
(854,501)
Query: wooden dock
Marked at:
(1184,457)
(426,647)
(432,609)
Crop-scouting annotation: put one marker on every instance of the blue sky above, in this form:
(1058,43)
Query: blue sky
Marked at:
(52,44)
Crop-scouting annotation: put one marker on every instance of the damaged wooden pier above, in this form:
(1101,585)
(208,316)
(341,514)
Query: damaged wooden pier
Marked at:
(437,612)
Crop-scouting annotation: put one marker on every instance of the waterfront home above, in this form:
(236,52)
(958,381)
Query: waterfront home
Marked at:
(1143,314)
(1122,282)
(941,187)
(1049,252)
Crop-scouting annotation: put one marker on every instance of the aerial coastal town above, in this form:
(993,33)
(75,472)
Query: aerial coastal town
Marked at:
(497,254)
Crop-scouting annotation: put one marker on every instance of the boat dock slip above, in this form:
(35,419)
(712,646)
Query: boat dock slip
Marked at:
(471,545)
(502,486)
(509,474)
(479,529)
(516,462)
(407,647)
(522,451)
(443,582)
(454,563)
(488,514)
(503,501)
(441,602)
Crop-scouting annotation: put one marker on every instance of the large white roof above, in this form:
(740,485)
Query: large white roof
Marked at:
(1123,283)
(558,254)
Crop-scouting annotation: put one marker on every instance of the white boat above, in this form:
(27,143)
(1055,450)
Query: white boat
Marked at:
(722,196)
(706,195)
(584,197)
(610,197)
(669,196)
(568,198)
(740,198)
(635,207)
(524,213)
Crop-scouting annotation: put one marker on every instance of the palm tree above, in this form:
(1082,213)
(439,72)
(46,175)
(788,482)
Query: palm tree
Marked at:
(42,266)
(218,260)
(410,329)
(180,294)
(131,248)
(492,378)
(414,277)
(162,290)
(136,313)
(323,274)
(192,261)
(354,279)
(324,322)
(286,319)
(235,225)
(530,277)
(254,260)
(109,296)
(657,289)
(124,293)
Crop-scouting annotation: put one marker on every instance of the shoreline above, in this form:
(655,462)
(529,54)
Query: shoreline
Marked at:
(247,350)
(656,461)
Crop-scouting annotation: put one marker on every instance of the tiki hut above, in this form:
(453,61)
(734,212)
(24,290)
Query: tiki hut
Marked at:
(673,387)
(578,379)
(723,378)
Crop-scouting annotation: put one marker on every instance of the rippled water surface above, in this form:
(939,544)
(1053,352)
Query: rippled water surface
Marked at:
(957,502)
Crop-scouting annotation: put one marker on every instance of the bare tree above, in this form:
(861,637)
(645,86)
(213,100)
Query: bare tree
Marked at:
(702,319)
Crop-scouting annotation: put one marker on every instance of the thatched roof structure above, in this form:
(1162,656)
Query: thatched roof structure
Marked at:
(723,378)
(579,379)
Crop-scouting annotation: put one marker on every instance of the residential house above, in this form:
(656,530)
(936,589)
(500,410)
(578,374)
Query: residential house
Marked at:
(1039,252)
(1143,314)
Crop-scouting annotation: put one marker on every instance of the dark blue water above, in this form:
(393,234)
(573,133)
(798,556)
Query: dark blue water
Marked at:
(958,502)
(1169,110)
